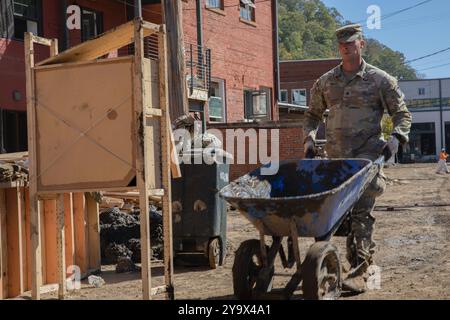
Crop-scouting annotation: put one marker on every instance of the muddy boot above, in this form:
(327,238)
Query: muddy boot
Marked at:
(356,278)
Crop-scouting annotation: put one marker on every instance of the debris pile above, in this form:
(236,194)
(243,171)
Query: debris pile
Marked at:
(120,238)
(14,169)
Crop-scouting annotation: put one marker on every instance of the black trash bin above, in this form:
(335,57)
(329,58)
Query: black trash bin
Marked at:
(199,214)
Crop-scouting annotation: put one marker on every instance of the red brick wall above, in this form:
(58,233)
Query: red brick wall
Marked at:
(290,143)
(12,65)
(241,54)
(302,74)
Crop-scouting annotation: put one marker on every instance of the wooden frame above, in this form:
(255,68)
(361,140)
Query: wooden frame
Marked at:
(146,146)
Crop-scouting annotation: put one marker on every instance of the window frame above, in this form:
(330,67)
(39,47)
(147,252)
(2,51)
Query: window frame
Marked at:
(249,110)
(421,91)
(250,10)
(38,19)
(220,7)
(306,96)
(222,91)
(287,95)
(99,22)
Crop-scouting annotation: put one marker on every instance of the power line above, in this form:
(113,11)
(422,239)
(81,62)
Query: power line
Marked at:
(389,15)
(428,55)
(435,67)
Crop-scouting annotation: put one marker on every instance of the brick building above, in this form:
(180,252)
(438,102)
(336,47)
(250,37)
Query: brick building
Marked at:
(235,40)
(296,80)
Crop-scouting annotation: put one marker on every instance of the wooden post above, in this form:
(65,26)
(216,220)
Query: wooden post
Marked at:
(14,240)
(81,233)
(3,248)
(93,233)
(23,229)
(175,44)
(60,246)
(166,160)
(69,237)
(141,172)
(35,217)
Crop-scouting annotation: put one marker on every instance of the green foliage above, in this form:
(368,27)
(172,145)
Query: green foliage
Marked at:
(306,31)
(386,126)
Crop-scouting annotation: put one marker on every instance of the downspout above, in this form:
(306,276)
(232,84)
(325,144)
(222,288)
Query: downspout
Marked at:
(440,114)
(65,33)
(276,54)
(137,8)
(198,5)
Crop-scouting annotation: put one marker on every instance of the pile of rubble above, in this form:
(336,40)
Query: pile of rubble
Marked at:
(120,238)
(14,168)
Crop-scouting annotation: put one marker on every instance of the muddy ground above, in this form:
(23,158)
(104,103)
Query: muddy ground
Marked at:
(413,249)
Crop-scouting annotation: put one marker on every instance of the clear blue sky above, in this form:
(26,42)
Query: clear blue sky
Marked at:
(416,32)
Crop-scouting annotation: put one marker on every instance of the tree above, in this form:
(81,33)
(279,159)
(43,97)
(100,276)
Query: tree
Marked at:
(307,31)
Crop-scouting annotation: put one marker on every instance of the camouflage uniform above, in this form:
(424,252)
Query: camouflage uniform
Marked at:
(353,130)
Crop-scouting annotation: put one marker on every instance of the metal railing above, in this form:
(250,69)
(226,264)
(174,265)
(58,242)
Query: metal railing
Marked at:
(198,67)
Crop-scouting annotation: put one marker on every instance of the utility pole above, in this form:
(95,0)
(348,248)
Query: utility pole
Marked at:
(172,17)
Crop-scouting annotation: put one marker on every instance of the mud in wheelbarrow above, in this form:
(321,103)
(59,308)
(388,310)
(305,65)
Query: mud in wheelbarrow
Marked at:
(305,198)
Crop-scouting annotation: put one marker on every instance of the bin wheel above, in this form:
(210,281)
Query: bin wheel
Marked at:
(321,272)
(214,253)
(246,268)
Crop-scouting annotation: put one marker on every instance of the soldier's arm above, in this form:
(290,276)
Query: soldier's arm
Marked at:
(396,107)
(315,113)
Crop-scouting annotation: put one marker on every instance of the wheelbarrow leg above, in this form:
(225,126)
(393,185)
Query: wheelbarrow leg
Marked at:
(297,277)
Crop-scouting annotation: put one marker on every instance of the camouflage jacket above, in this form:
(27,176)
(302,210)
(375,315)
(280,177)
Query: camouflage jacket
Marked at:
(356,108)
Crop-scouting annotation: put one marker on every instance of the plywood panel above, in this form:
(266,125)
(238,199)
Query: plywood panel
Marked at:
(93,233)
(50,225)
(85,127)
(3,248)
(14,240)
(80,228)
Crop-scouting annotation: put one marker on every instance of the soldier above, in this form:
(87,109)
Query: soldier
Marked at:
(357,95)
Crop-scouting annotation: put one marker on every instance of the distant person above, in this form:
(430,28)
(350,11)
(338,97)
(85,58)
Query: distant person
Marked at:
(442,163)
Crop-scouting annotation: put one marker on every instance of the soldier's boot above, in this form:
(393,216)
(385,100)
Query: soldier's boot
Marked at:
(357,276)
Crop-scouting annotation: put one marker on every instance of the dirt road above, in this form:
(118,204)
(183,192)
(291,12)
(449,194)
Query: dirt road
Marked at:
(413,248)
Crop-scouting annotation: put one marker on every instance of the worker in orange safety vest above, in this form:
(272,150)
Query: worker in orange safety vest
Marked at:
(442,164)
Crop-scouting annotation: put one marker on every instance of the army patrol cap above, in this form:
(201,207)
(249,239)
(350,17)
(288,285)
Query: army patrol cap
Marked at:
(349,33)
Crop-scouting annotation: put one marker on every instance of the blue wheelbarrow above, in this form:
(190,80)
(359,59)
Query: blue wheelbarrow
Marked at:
(306,198)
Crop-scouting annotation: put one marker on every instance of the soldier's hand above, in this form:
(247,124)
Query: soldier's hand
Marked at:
(392,147)
(310,149)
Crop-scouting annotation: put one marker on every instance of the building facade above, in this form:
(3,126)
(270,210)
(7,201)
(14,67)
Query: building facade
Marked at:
(296,80)
(229,43)
(429,103)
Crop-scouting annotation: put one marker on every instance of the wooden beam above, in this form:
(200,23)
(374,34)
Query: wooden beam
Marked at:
(24,242)
(35,217)
(60,247)
(166,155)
(69,237)
(172,16)
(141,173)
(14,240)
(80,221)
(93,233)
(28,239)
(109,41)
(3,248)
(42,41)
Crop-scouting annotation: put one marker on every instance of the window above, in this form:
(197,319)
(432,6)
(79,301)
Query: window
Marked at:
(247,10)
(91,24)
(284,95)
(13,131)
(421,91)
(27,17)
(257,103)
(299,97)
(216,102)
(216,4)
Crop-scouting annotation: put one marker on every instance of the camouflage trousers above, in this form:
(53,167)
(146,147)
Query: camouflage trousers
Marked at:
(360,244)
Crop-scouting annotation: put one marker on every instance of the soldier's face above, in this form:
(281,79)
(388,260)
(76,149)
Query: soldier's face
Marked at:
(351,50)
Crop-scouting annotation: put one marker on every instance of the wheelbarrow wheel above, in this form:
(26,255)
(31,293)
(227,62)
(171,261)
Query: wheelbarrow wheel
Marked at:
(214,253)
(321,272)
(246,268)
